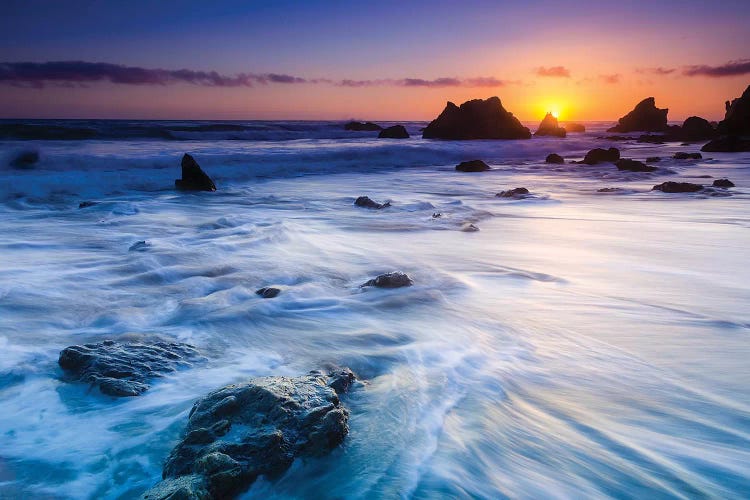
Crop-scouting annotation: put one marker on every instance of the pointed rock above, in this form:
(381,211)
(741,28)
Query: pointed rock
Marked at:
(549,126)
(193,177)
(645,116)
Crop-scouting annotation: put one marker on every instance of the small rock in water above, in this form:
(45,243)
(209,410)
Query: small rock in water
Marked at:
(268,292)
(436,215)
(468,227)
(389,280)
(366,202)
(598,155)
(554,158)
(139,246)
(86,204)
(123,368)
(472,166)
(678,187)
(519,192)
(609,190)
(723,183)
(193,176)
(25,159)
(258,427)
(687,156)
(633,165)
(363,127)
(394,132)
(653,159)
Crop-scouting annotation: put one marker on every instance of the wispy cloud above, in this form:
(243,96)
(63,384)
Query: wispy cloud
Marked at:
(656,71)
(553,71)
(732,68)
(610,79)
(81,73)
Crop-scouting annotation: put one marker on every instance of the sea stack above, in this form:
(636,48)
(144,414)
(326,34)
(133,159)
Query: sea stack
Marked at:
(549,126)
(476,119)
(645,116)
(193,177)
(734,128)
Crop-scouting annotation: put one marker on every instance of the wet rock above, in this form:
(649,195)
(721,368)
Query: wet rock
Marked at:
(653,159)
(363,127)
(366,202)
(554,158)
(25,160)
(687,156)
(549,126)
(736,121)
(519,192)
(394,132)
(268,292)
(139,246)
(678,187)
(193,177)
(730,144)
(574,127)
(476,119)
(599,155)
(124,368)
(87,204)
(389,280)
(472,166)
(255,428)
(723,183)
(633,165)
(645,116)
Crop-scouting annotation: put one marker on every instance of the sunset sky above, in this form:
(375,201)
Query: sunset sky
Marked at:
(368,60)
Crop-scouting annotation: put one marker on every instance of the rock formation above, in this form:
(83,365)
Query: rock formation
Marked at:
(366,202)
(554,158)
(193,177)
(363,127)
(549,126)
(645,116)
(389,280)
(472,166)
(678,187)
(598,155)
(519,192)
(633,165)
(476,119)
(394,132)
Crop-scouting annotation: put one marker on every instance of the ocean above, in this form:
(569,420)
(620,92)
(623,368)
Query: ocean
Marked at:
(580,344)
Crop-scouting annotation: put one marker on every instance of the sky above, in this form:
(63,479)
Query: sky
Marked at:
(385,60)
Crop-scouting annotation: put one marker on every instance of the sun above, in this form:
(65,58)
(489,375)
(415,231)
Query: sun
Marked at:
(555,113)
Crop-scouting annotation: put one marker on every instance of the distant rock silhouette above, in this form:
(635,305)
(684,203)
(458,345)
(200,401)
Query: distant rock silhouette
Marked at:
(554,158)
(737,118)
(476,119)
(645,116)
(723,183)
(678,187)
(394,132)
(549,126)
(193,177)
(366,202)
(574,127)
(687,156)
(363,127)
(599,155)
(633,165)
(472,166)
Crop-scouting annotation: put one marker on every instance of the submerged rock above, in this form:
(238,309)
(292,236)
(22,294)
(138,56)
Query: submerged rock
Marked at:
(123,368)
(476,119)
(633,165)
(193,176)
(645,116)
(678,187)
(472,166)
(87,204)
(730,144)
(366,202)
(599,155)
(362,127)
(518,192)
(268,292)
(389,280)
(139,246)
(258,427)
(549,126)
(394,132)
(554,158)
(574,127)
(609,190)
(723,183)
(25,159)
(687,156)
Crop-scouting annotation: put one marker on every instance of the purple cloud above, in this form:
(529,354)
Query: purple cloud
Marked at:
(553,71)
(732,68)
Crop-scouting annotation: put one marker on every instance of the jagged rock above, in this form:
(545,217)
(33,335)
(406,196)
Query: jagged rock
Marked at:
(519,192)
(633,165)
(737,118)
(678,187)
(574,127)
(124,368)
(389,280)
(86,204)
(723,183)
(687,156)
(394,132)
(645,116)
(599,155)
(472,166)
(554,158)
(730,144)
(366,202)
(476,119)
(268,292)
(653,159)
(549,126)
(25,159)
(363,127)
(258,427)
(696,128)
(193,177)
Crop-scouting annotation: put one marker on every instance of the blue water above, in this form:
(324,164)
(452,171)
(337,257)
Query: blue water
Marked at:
(580,344)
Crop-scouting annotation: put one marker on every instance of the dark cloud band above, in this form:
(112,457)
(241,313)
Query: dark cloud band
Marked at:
(732,68)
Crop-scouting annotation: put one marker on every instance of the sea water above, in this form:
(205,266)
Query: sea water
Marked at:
(580,344)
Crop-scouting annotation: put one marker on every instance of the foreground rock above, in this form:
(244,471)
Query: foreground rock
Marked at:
(599,155)
(574,127)
(362,127)
(268,292)
(554,158)
(519,192)
(645,116)
(124,368)
(389,280)
(549,126)
(633,165)
(25,159)
(723,183)
(678,187)
(258,427)
(736,121)
(687,156)
(731,144)
(472,166)
(476,119)
(394,132)
(366,202)
(193,176)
